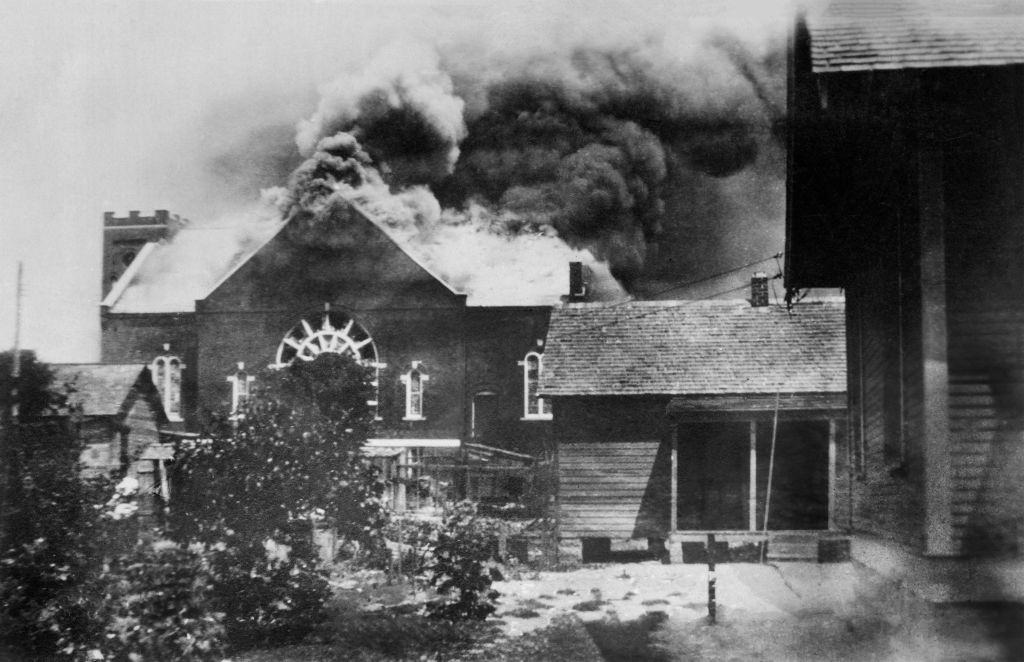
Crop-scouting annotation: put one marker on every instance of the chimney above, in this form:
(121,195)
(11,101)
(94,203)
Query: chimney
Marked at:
(759,290)
(577,282)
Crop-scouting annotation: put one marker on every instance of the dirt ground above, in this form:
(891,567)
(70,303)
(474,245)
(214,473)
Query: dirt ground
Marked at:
(787,611)
(649,612)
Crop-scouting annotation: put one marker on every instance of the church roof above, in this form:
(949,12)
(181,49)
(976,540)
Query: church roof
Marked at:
(694,348)
(99,389)
(169,277)
(860,35)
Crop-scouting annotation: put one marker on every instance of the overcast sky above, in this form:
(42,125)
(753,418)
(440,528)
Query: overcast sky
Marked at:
(116,106)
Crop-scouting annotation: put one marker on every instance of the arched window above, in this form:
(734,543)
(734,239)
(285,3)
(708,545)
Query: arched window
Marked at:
(241,387)
(414,381)
(336,333)
(166,372)
(330,332)
(534,406)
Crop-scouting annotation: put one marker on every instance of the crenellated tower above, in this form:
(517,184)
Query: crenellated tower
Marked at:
(124,237)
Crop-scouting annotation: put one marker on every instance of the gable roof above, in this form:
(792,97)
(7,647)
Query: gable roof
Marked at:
(861,35)
(491,270)
(695,347)
(170,276)
(100,389)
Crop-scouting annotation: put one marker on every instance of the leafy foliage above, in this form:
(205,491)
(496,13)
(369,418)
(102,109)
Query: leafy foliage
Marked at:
(266,598)
(154,603)
(291,458)
(294,452)
(74,584)
(50,532)
(33,384)
(463,563)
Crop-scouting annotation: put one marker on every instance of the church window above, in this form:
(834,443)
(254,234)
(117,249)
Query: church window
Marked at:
(330,332)
(534,406)
(414,381)
(166,373)
(241,387)
(333,333)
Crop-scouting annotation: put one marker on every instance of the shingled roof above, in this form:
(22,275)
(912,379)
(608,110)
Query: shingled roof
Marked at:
(100,389)
(860,35)
(693,348)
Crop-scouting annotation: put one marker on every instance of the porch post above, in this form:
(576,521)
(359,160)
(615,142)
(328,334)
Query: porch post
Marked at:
(831,474)
(936,434)
(673,508)
(752,490)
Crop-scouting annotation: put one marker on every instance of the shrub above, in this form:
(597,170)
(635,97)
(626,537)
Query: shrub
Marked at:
(266,597)
(52,530)
(155,604)
(463,563)
(293,456)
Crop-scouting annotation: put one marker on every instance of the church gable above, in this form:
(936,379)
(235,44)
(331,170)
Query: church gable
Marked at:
(338,256)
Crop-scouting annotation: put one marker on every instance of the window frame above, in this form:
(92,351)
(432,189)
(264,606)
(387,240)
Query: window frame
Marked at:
(410,383)
(542,410)
(167,368)
(240,381)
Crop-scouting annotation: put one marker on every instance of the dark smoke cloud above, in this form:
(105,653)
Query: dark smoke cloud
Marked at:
(581,142)
(400,109)
(588,140)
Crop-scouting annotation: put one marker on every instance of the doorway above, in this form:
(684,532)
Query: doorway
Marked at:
(485,417)
(799,491)
(713,474)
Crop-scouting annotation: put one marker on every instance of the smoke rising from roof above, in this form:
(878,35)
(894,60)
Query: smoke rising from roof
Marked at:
(578,141)
(645,149)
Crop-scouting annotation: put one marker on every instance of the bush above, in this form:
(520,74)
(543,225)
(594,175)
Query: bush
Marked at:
(267,598)
(155,604)
(463,562)
(52,539)
(292,457)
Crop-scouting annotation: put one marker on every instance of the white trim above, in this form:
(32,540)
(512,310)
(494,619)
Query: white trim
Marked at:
(128,274)
(413,443)
(417,367)
(527,414)
(236,390)
(165,392)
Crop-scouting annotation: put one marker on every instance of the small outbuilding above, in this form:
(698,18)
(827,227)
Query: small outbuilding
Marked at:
(116,412)
(675,418)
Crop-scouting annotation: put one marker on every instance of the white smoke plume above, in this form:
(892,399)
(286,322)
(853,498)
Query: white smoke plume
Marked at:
(601,144)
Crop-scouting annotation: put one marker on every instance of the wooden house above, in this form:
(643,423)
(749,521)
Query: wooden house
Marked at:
(905,189)
(118,415)
(670,415)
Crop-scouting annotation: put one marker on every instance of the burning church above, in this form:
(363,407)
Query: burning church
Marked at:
(456,373)
(427,228)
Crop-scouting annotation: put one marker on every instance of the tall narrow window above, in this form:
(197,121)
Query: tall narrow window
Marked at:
(241,387)
(414,381)
(534,406)
(166,373)
(375,403)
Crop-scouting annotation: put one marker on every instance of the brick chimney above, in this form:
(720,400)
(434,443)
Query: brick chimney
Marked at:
(759,290)
(578,277)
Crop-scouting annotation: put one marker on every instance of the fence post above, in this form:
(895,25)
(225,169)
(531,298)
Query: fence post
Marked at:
(712,608)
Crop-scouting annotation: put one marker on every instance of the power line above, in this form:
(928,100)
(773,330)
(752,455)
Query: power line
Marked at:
(717,275)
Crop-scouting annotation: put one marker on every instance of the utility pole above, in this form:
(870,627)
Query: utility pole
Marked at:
(16,359)
(11,428)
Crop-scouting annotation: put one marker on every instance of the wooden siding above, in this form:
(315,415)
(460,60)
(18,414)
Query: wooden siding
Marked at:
(986,386)
(614,489)
(886,498)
